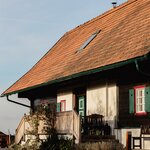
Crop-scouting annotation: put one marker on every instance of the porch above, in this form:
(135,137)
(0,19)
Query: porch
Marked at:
(69,123)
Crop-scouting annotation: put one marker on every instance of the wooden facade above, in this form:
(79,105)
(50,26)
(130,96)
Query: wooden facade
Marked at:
(132,78)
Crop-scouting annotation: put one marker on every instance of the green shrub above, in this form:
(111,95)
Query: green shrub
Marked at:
(53,142)
(65,144)
(111,145)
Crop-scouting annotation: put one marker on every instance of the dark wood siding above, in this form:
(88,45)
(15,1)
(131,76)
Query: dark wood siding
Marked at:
(125,118)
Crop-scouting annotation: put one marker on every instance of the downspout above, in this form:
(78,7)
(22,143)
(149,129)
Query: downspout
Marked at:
(106,100)
(139,70)
(17,102)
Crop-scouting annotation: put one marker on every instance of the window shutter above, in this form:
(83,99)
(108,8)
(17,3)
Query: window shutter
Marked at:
(58,107)
(147,99)
(131,101)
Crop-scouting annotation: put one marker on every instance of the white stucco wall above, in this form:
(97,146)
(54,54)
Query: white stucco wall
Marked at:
(102,99)
(96,100)
(68,96)
(112,106)
(121,136)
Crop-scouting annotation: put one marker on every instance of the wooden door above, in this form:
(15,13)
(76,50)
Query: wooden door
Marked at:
(81,106)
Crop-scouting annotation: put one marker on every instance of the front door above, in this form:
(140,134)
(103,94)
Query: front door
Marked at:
(81,105)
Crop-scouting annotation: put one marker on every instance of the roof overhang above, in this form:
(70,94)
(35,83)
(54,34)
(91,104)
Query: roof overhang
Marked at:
(84,73)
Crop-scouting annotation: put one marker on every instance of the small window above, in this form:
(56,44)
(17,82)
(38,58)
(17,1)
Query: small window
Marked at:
(139,100)
(86,43)
(63,105)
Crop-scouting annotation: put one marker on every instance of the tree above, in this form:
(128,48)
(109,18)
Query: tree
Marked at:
(43,119)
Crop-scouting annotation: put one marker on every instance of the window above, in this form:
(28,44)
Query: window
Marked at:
(61,106)
(139,100)
(86,43)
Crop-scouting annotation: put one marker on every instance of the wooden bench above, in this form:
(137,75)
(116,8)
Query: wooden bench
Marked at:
(145,130)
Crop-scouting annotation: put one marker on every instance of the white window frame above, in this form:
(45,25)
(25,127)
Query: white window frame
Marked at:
(63,105)
(140,99)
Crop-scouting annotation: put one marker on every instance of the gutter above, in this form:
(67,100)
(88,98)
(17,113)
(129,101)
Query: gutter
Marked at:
(84,73)
(139,70)
(7,96)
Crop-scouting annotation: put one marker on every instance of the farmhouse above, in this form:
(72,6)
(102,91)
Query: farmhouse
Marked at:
(100,68)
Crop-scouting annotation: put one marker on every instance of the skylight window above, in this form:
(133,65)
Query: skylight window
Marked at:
(87,42)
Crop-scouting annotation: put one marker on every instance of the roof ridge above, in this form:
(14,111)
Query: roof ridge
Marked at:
(103,15)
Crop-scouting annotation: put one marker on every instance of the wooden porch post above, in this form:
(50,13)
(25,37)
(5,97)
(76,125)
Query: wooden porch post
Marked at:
(128,140)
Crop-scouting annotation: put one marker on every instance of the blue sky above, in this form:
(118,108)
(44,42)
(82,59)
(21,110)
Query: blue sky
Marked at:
(28,29)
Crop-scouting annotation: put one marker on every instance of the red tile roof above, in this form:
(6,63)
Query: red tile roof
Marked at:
(125,34)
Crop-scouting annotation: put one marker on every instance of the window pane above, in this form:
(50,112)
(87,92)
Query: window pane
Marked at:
(140,93)
(140,108)
(140,99)
(63,105)
(89,40)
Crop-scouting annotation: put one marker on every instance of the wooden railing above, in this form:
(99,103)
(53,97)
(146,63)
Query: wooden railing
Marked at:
(64,122)
(20,131)
(68,123)
(24,128)
(76,126)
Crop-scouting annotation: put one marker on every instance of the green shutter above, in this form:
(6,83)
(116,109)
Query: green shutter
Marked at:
(131,100)
(58,107)
(147,99)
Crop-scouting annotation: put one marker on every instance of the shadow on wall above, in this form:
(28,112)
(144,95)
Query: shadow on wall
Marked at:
(98,104)
(107,110)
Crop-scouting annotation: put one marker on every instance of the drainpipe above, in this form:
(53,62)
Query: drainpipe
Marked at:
(107,100)
(17,102)
(139,70)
